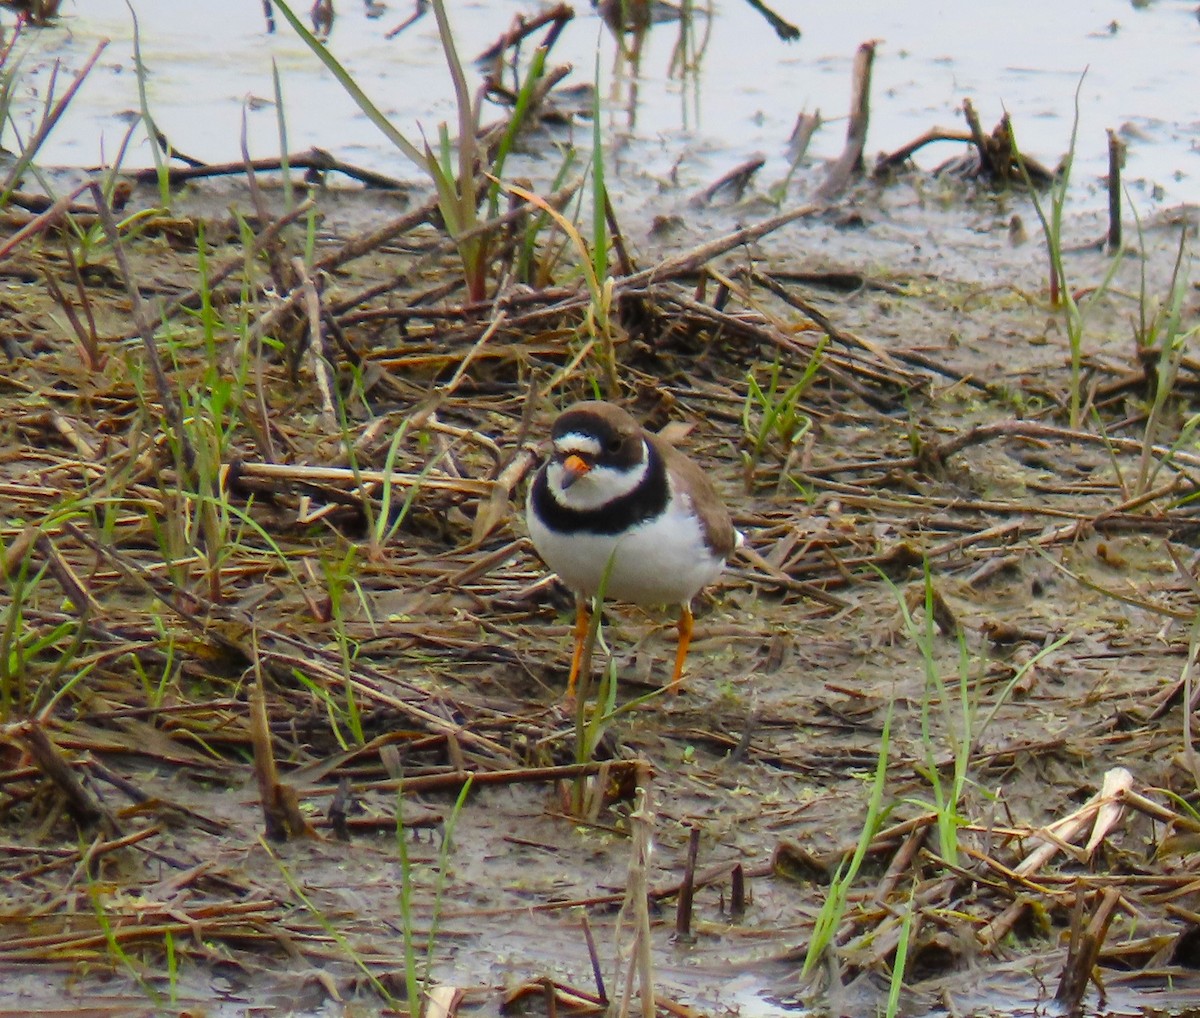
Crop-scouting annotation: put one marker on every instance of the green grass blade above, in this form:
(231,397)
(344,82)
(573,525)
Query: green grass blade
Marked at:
(599,192)
(346,80)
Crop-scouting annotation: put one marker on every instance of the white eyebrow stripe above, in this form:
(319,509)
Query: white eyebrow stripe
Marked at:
(575,441)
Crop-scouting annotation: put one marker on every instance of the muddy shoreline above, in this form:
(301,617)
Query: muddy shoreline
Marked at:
(937,432)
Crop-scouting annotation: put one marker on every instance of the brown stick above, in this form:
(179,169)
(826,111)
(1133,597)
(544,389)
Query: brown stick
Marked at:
(594,956)
(850,162)
(313,159)
(524,27)
(940,452)
(42,222)
(420,9)
(71,584)
(687,889)
(905,152)
(1116,158)
(281,810)
(265,773)
(18,549)
(735,181)
(802,135)
(979,139)
(51,118)
(1085,949)
(689,261)
(83,806)
(737,892)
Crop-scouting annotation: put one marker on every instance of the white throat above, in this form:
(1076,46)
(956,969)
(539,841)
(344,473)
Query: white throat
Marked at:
(598,487)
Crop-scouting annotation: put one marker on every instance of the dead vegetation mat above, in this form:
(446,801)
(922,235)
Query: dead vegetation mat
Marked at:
(300,600)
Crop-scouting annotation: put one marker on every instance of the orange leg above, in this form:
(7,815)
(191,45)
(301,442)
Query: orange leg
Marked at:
(582,619)
(685,638)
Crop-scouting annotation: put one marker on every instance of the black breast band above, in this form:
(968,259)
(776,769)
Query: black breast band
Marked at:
(646,501)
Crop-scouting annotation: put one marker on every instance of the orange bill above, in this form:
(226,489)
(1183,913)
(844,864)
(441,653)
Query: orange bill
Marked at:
(575,467)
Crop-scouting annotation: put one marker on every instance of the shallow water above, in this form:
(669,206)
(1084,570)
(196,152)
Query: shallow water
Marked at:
(210,65)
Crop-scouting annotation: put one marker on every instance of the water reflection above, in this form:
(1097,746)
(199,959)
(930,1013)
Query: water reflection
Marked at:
(689,91)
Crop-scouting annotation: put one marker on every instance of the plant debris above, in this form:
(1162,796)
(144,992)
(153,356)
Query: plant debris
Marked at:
(280,698)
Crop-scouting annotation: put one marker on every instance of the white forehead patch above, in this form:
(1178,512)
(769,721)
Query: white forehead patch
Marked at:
(575,441)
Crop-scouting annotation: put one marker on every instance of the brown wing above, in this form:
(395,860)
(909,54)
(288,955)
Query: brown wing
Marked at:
(710,507)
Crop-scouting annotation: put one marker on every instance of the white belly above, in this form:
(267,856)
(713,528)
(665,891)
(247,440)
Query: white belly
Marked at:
(662,562)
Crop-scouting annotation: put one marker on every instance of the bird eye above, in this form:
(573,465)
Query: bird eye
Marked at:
(613,444)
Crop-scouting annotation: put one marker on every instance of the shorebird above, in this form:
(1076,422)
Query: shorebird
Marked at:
(612,492)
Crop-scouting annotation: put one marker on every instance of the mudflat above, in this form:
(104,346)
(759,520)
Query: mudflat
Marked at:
(282,678)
